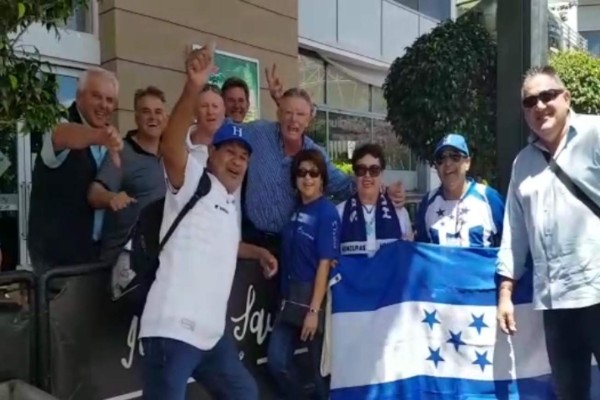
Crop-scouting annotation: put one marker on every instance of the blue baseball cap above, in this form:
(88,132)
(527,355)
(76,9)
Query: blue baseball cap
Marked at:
(229,132)
(455,141)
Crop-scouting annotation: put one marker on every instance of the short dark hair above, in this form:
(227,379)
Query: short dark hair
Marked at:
(148,91)
(209,87)
(314,156)
(371,149)
(543,70)
(235,82)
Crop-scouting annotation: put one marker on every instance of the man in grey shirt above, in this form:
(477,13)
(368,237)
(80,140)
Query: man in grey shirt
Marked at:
(547,220)
(124,191)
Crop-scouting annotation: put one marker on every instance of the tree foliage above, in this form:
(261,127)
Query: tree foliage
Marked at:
(26,93)
(446,82)
(580,72)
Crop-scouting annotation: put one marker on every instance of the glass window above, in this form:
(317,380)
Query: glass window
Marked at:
(414,4)
(345,92)
(378,103)
(397,156)
(593,38)
(312,77)
(438,9)
(346,132)
(81,20)
(317,129)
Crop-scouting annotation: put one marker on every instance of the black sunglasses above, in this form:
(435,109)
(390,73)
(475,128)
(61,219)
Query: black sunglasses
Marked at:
(454,157)
(373,170)
(545,96)
(301,173)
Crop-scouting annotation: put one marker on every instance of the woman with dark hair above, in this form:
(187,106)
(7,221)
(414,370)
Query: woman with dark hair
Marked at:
(309,245)
(369,218)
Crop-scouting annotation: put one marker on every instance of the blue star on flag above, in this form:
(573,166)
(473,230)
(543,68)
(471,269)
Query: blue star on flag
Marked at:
(481,360)
(430,318)
(440,212)
(478,323)
(434,355)
(456,340)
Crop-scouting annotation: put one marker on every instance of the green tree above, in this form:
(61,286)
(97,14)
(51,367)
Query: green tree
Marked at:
(26,93)
(580,73)
(446,82)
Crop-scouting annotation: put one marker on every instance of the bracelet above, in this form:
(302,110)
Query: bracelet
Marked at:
(313,310)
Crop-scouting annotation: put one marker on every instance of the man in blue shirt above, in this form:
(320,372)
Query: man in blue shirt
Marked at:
(461,212)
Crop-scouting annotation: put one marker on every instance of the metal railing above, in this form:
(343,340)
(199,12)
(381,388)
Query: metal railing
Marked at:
(562,37)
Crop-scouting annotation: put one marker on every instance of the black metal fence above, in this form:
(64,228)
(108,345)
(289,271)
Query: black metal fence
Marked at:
(62,333)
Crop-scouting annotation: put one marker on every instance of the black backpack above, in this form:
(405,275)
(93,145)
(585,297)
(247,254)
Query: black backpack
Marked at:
(146,243)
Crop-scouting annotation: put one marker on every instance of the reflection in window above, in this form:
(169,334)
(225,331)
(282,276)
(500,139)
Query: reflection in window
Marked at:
(67,88)
(346,93)
(397,156)
(438,9)
(346,132)
(317,130)
(81,20)
(378,103)
(593,38)
(312,77)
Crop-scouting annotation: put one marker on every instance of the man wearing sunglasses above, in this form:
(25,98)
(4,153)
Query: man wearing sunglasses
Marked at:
(461,212)
(552,213)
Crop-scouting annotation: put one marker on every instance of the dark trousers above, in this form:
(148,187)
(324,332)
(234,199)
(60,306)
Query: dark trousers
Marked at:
(284,340)
(572,336)
(168,364)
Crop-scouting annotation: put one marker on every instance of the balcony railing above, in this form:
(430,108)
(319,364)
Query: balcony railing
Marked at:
(562,37)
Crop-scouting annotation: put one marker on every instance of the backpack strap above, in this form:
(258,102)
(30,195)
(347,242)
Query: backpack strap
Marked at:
(202,190)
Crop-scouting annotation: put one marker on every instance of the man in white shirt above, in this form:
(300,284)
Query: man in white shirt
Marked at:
(183,323)
(547,220)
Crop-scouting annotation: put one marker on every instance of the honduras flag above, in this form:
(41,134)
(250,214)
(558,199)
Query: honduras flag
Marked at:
(418,321)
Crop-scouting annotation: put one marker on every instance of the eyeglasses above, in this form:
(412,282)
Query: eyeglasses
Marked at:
(301,173)
(545,96)
(454,157)
(373,170)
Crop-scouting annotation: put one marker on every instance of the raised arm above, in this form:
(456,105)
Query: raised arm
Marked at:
(173,147)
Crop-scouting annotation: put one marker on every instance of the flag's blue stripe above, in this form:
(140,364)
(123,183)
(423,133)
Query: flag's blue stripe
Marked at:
(430,388)
(406,271)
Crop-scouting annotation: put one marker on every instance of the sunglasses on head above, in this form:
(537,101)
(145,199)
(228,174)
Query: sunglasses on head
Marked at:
(373,170)
(454,157)
(544,96)
(301,173)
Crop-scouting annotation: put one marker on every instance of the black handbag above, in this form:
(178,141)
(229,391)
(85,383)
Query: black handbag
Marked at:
(296,305)
(570,185)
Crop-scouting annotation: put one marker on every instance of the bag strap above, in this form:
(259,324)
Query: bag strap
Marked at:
(201,191)
(570,185)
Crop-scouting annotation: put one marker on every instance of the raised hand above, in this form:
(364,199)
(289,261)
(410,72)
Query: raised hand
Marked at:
(274,83)
(199,65)
(113,142)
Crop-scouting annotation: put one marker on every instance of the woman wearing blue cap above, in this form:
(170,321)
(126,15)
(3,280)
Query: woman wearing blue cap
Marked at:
(461,212)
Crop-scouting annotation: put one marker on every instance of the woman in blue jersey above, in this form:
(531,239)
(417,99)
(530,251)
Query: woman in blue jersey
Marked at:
(369,219)
(461,212)
(310,243)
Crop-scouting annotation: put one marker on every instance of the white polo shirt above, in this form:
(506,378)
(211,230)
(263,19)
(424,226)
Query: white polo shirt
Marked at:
(188,299)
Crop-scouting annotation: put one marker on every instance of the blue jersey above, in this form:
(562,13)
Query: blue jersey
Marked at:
(475,220)
(311,235)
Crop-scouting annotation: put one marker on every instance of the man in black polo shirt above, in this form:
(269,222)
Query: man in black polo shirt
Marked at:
(63,229)
(124,191)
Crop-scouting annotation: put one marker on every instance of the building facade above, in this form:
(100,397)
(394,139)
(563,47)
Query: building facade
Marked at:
(339,50)
(588,23)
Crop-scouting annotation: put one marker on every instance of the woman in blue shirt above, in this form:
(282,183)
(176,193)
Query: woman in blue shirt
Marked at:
(310,242)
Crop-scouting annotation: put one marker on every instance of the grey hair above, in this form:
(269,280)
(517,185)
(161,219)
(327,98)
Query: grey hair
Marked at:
(542,70)
(97,71)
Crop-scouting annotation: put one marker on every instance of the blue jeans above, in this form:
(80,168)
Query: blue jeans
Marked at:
(284,340)
(572,336)
(168,364)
